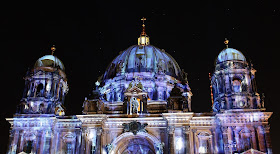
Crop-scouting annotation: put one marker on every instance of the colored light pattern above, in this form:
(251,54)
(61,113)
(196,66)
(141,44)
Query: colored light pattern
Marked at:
(142,105)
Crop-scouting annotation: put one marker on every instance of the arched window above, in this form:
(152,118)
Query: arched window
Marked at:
(245,138)
(28,147)
(204,139)
(236,84)
(40,90)
(69,143)
(68,148)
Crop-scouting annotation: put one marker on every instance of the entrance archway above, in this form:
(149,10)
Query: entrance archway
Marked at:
(141,143)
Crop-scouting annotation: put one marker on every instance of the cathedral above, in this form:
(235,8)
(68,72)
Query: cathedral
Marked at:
(142,105)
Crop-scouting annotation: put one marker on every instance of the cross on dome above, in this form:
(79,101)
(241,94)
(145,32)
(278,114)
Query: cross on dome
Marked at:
(143,39)
(53,49)
(226,42)
(143,25)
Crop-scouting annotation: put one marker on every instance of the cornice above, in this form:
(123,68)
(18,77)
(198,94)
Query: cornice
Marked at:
(244,118)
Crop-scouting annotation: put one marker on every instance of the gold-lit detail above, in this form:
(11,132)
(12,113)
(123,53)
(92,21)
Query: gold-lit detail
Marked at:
(138,100)
(226,42)
(53,49)
(143,19)
(143,26)
(212,99)
(143,39)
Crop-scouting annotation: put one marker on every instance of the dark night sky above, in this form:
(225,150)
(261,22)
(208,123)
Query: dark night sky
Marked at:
(89,36)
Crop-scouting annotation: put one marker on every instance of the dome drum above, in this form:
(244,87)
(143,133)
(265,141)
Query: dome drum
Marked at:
(154,69)
(236,64)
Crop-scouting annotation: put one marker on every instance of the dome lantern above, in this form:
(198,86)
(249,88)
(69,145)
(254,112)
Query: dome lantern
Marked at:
(144,38)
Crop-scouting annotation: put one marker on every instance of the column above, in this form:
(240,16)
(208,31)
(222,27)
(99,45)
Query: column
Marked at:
(230,139)
(78,141)
(171,130)
(187,139)
(14,135)
(225,139)
(260,134)
(215,141)
(267,139)
(20,143)
(83,144)
(192,140)
(98,140)
(237,139)
(54,141)
(253,134)
(48,142)
(42,141)
(37,142)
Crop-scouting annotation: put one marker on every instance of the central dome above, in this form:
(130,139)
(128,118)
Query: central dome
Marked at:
(147,58)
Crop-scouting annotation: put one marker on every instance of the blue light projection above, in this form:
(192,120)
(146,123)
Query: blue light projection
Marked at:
(142,104)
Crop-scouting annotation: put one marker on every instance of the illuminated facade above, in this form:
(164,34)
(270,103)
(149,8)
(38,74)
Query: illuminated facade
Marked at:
(142,104)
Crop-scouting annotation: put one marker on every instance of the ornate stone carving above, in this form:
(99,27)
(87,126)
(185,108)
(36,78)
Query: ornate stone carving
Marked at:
(171,129)
(159,148)
(186,129)
(135,105)
(109,148)
(134,127)
(69,137)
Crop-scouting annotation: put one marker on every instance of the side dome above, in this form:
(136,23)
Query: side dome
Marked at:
(230,54)
(148,58)
(49,61)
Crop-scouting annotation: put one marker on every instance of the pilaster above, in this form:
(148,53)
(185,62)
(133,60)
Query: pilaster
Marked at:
(187,132)
(261,138)
(267,138)
(171,135)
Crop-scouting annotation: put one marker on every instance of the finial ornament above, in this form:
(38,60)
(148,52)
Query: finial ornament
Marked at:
(143,19)
(53,49)
(143,25)
(226,42)
(143,39)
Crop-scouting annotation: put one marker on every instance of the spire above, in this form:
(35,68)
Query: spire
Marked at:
(143,26)
(226,42)
(53,49)
(143,39)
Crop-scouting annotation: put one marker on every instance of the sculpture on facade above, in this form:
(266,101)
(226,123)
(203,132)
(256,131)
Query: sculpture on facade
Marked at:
(134,127)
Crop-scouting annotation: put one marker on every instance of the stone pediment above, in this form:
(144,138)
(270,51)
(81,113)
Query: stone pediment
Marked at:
(134,89)
(135,86)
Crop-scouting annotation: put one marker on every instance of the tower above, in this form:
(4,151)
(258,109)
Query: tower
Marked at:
(39,126)
(241,120)
(45,87)
(233,82)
